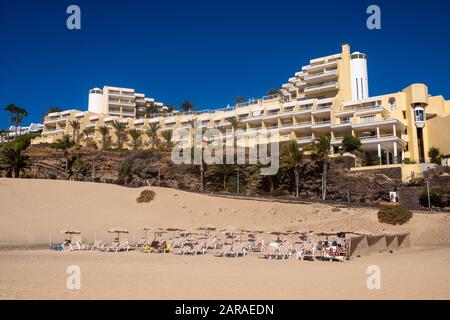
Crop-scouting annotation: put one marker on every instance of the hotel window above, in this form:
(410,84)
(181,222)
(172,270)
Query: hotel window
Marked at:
(368,119)
(392,104)
(345,120)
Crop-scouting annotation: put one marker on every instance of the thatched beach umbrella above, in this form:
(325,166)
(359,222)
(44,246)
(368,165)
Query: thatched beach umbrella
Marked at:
(146,230)
(207,229)
(174,230)
(70,232)
(117,230)
(278,233)
(158,232)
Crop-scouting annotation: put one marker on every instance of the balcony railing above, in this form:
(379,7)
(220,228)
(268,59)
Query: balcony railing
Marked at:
(328,85)
(322,123)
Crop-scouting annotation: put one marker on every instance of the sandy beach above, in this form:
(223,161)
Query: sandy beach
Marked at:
(33,210)
(416,273)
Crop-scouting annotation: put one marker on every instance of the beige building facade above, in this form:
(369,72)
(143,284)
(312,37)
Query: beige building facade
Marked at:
(329,96)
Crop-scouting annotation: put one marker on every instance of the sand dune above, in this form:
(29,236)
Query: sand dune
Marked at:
(33,209)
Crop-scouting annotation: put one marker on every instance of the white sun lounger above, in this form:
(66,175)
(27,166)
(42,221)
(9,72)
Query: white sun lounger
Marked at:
(98,245)
(269,253)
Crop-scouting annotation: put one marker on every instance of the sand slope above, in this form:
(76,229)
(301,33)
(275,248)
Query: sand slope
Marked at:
(32,209)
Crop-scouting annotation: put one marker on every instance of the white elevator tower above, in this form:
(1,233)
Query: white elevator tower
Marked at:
(96,101)
(358,76)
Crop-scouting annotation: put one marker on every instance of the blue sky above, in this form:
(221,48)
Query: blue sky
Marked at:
(208,52)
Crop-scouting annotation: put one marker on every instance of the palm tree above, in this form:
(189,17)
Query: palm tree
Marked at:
(235,124)
(152,133)
(22,113)
(75,124)
(17,118)
(104,131)
(64,145)
(187,106)
(87,132)
(135,134)
(151,109)
(11,108)
(120,131)
(194,124)
(435,155)
(292,159)
(225,171)
(13,157)
(322,149)
(272,92)
(167,135)
(239,99)
(169,108)
(3,134)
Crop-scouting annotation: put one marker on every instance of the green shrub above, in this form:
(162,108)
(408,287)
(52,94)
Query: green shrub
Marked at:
(408,161)
(232,185)
(394,215)
(183,186)
(350,143)
(146,196)
(439,197)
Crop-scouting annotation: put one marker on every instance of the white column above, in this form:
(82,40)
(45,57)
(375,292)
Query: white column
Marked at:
(378,132)
(403,155)
(394,130)
(379,152)
(387,157)
(395,152)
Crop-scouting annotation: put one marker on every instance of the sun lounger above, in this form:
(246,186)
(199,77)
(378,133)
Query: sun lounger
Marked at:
(239,250)
(98,245)
(309,252)
(196,249)
(269,253)
(123,246)
(211,244)
(225,251)
(284,252)
(112,247)
(140,244)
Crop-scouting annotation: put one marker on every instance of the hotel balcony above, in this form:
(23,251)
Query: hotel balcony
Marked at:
(50,132)
(305,140)
(336,141)
(329,86)
(303,110)
(322,109)
(57,120)
(320,66)
(370,143)
(119,102)
(381,123)
(369,110)
(320,77)
(344,124)
(321,124)
(346,111)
